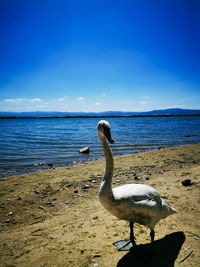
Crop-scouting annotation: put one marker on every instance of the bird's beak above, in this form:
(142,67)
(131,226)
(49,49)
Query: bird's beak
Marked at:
(108,135)
(112,141)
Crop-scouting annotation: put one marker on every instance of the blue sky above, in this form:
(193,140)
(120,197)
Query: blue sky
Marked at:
(89,55)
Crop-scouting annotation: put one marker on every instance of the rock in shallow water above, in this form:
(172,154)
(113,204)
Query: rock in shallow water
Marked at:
(84,150)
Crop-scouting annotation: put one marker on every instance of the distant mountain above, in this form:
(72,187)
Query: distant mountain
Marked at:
(163,112)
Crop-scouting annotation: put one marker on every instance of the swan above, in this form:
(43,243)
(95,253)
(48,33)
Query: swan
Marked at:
(135,203)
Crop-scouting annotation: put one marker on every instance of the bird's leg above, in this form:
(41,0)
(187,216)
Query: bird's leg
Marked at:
(125,245)
(152,235)
(132,238)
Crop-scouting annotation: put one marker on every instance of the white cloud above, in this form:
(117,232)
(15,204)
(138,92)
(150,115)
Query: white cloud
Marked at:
(42,106)
(14,100)
(20,100)
(62,99)
(81,98)
(143,102)
(37,100)
(10,100)
(173,106)
(98,104)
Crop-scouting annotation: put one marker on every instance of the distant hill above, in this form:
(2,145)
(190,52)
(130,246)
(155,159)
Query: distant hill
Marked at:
(39,114)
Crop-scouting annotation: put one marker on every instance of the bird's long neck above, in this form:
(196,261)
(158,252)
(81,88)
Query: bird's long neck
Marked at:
(106,183)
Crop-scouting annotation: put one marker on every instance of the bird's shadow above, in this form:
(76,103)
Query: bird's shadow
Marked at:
(162,252)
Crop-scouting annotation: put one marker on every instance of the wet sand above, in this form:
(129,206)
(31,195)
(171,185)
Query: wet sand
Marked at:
(54,218)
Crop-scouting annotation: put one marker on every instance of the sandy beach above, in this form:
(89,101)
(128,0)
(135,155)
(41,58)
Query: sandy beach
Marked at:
(54,217)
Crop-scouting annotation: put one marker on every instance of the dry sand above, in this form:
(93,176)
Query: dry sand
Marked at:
(54,218)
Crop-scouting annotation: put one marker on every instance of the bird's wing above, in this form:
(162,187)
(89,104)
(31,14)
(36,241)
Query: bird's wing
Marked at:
(138,198)
(136,192)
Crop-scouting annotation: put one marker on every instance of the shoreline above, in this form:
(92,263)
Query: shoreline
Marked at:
(54,218)
(52,166)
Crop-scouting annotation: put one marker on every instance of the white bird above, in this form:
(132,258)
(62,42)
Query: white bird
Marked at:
(135,203)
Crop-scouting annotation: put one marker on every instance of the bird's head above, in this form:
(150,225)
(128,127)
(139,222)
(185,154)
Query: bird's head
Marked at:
(103,129)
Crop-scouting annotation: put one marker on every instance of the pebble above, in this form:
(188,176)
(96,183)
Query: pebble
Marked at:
(3,227)
(186,182)
(86,186)
(50,203)
(39,164)
(50,165)
(191,135)
(69,185)
(41,207)
(95,255)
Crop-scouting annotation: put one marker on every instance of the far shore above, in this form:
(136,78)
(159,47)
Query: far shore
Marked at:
(98,116)
(53,218)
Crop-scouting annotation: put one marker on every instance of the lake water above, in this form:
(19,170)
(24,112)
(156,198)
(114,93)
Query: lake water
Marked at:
(28,145)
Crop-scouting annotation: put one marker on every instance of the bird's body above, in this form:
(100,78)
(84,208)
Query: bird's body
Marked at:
(138,203)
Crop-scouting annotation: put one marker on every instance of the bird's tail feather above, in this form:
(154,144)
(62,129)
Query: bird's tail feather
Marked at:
(167,210)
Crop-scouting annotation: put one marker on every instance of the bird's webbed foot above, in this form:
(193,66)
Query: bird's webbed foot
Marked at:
(123,245)
(126,245)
